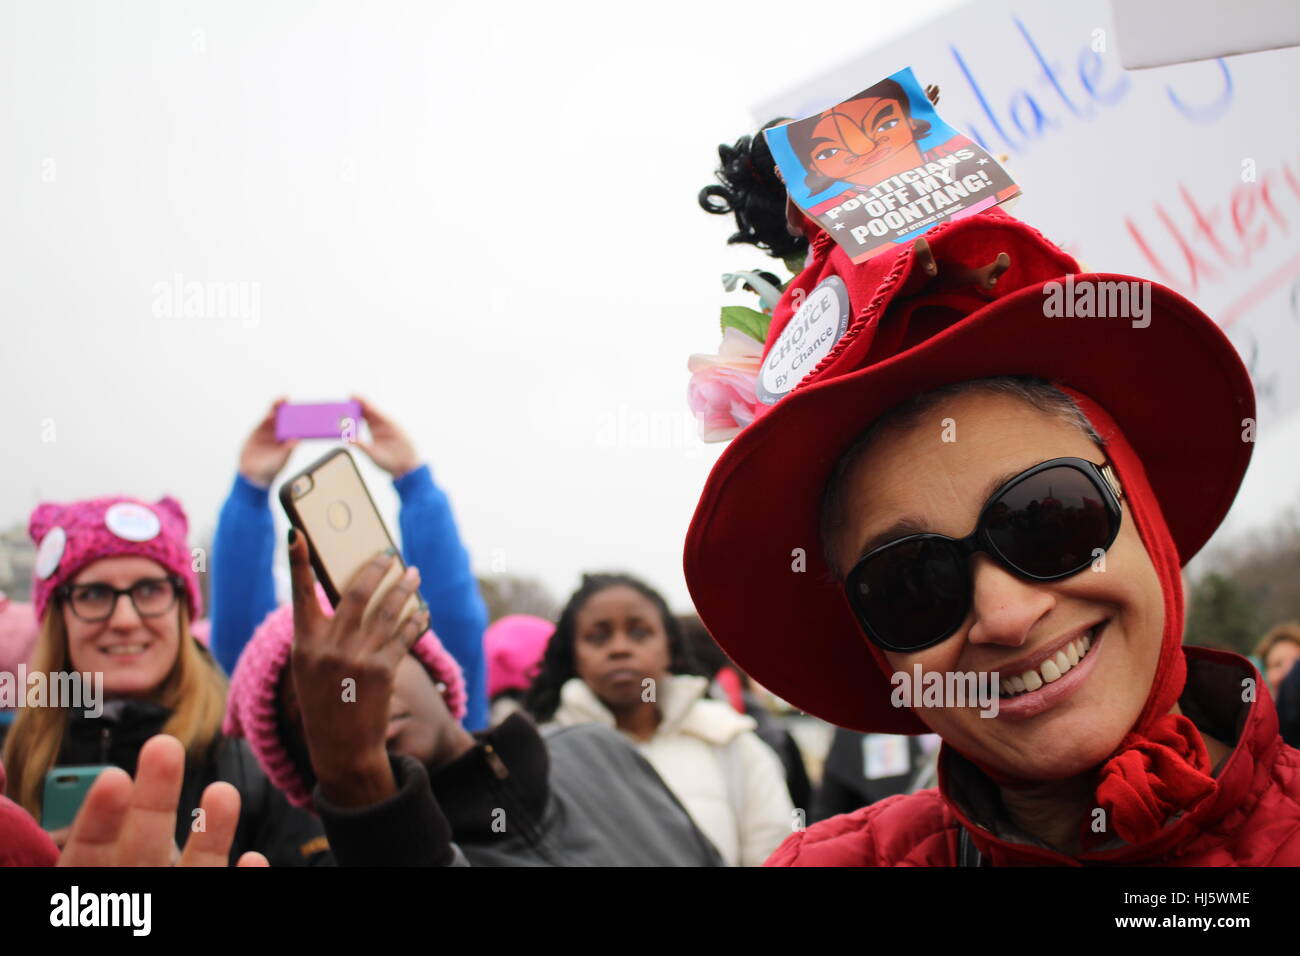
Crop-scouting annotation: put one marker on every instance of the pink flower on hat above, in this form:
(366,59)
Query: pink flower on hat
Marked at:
(70,536)
(253,702)
(722,388)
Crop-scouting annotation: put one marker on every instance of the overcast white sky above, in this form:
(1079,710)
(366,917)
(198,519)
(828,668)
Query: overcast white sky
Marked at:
(480,216)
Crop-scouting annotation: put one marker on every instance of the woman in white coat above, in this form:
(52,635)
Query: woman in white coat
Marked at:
(617,657)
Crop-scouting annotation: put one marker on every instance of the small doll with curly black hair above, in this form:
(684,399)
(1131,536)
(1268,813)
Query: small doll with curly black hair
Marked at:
(750,188)
(722,391)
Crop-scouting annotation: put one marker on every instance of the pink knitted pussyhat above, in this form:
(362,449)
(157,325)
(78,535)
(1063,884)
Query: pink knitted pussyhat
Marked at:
(18,632)
(514,647)
(253,702)
(70,536)
(202,631)
(17,635)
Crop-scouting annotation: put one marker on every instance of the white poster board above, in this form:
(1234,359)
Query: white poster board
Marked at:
(1188,175)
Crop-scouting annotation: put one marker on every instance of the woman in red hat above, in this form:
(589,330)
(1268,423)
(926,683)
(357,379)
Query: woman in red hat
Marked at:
(874,548)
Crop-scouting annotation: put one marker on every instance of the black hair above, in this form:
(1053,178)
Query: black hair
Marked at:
(557,667)
(801,133)
(704,649)
(752,191)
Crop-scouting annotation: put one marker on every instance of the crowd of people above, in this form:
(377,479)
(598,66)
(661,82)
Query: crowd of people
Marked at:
(359,732)
(606,745)
(576,765)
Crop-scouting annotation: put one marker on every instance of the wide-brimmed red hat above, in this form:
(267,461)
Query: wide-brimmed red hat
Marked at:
(1174,385)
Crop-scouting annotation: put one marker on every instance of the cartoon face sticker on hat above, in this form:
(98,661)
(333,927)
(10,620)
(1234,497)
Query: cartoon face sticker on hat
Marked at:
(50,553)
(807,339)
(132,522)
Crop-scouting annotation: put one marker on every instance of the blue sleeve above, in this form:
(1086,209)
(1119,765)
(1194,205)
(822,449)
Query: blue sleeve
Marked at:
(242,586)
(457,614)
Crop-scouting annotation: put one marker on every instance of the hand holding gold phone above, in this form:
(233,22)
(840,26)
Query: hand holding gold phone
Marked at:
(329,503)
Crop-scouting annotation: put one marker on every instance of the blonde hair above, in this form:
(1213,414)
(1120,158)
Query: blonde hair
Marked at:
(194,691)
(1287,631)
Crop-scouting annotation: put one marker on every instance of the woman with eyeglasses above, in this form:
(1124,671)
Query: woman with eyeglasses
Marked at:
(114,591)
(963,483)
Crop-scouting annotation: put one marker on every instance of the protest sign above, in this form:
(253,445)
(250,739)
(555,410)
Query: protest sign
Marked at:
(1183,174)
(881,167)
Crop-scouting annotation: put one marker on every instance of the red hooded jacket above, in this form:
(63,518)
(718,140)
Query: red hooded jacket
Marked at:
(1253,819)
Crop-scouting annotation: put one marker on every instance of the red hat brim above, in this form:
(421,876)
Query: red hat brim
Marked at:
(1177,389)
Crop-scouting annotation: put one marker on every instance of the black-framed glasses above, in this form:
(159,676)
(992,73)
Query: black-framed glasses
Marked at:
(1045,524)
(95,602)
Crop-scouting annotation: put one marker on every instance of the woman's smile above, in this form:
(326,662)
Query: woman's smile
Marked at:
(1058,675)
(124,650)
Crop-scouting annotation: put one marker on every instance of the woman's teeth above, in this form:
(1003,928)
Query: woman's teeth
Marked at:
(124,649)
(1049,670)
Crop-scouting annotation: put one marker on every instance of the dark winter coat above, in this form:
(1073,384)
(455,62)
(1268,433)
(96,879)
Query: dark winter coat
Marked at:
(575,796)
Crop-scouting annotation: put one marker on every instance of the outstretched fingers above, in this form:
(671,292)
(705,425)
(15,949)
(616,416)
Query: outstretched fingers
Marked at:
(95,832)
(391,629)
(351,619)
(214,828)
(150,828)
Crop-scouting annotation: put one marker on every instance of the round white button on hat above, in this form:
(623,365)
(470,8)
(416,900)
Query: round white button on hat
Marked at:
(132,522)
(50,552)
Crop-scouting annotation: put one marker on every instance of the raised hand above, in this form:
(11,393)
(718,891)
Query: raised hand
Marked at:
(262,456)
(344,668)
(126,823)
(389,447)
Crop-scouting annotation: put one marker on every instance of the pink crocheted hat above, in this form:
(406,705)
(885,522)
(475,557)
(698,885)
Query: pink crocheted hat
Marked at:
(202,631)
(18,632)
(514,646)
(70,536)
(252,704)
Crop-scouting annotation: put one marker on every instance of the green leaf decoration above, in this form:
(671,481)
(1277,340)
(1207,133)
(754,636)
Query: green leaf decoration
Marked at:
(750,321)
(795,264)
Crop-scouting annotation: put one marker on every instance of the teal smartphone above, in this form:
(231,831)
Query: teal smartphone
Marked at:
(65,789)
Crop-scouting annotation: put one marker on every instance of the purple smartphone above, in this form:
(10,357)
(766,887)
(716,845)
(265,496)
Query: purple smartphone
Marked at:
(340,420)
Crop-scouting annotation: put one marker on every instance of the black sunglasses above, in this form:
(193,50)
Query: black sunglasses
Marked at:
(1045,524)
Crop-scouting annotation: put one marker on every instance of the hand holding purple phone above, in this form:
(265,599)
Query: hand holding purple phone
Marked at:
(338,420)
(389,447)
(263,454)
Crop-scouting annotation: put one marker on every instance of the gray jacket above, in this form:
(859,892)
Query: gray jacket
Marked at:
(571,796)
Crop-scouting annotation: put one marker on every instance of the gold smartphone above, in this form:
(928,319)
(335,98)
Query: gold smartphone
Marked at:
(329,503)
